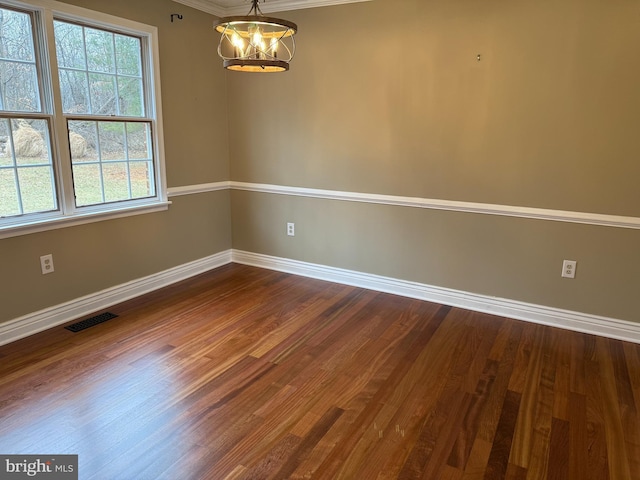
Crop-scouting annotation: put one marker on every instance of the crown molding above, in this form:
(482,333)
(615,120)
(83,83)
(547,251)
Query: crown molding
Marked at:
(210,6)
(205,6)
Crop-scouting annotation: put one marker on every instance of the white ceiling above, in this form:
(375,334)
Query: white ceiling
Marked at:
(223,8)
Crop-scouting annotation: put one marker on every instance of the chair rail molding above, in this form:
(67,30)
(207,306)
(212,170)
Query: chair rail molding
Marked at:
(605,220)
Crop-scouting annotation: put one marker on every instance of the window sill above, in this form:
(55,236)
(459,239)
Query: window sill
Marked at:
(43,225)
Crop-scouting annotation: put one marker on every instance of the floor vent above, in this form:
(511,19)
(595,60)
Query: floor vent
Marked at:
(90,322)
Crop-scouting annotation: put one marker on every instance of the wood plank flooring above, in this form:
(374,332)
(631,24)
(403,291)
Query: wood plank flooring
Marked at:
(243,373)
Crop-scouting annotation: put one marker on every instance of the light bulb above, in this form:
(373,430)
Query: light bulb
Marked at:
(257,41)
(238,45)
(274,47)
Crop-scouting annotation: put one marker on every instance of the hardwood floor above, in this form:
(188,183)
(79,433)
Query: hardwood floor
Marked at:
(252,374)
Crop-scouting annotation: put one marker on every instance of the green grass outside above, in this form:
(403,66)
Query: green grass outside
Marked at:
(39,195)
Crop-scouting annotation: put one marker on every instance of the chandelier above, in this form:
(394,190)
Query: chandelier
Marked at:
(255,43)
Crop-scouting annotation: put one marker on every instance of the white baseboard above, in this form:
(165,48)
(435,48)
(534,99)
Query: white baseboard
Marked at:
(569,320)
(80,307)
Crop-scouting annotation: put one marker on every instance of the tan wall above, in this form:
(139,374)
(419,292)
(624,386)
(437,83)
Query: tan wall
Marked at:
(90,258)
(388,97)
(547,118)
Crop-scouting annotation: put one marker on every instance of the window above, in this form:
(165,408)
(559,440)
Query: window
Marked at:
(26,164)
(100,75)
(80,129)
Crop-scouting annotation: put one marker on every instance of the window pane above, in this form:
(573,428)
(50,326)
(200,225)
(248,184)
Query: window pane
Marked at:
(87,182)
(16,37)
(116,181)
(70,45)
(128,58)
(138,139)
(130,98)
(109,80)
(27,182)
(141,180)
(103,94)
(112,161)
(75,91)
(9,201)
(19,89)
(31,142)
(36,186)
(6,155)
(83,141)
(112,141)
(100,51)
(77,147)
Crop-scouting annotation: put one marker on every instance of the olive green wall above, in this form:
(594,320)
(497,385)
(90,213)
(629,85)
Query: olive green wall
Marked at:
(388,97)
(92,257)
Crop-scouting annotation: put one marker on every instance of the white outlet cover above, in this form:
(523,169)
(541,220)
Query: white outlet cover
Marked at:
(46,264)
(569,268)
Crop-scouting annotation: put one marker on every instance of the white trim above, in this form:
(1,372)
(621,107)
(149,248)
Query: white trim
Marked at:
(201,188)
(581,322)
(286,5)
(53,223)
(205,6)
(450,205)
(51,317)
(555,317)
(616,221)
(210,6)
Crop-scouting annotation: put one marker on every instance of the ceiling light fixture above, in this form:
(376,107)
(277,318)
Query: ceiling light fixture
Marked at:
(255,43)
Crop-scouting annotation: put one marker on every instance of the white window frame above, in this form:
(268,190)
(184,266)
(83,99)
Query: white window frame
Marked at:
(68,214)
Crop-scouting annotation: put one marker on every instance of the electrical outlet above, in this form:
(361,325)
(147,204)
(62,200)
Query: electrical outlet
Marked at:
(46,264)
(291,229)
(569,269)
